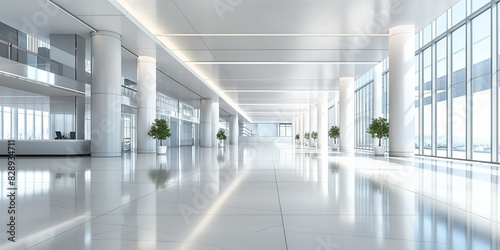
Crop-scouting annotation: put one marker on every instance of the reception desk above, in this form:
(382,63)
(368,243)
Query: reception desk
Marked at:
(47,147)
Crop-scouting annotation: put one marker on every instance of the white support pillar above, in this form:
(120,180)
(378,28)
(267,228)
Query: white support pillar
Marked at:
(215,123)
(234,130)
(401,95)
(313,121)
(146,103)
(305,122)
(294,128)
(106,94)
(346,85)
(301,129)
(322,117)
(377,91)
(206,123)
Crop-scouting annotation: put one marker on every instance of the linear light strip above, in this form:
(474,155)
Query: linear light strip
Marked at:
(267,79)
(279,91)
(272,104)
(275,35)
(150,28)
(278,63)
(71,15)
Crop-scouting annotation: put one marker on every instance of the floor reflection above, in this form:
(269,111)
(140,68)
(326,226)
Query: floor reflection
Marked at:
(251,197)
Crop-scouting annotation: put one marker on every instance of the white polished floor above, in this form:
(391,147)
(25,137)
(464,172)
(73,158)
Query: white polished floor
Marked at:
(252,197)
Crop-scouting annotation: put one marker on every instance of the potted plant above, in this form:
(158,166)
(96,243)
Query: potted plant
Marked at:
(379,128)
(297,139)
(334,133)
(307,136)
(221,136)
(159,130)
(314,136)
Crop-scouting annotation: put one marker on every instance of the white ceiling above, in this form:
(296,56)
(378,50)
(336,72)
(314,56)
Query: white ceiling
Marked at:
(268,58)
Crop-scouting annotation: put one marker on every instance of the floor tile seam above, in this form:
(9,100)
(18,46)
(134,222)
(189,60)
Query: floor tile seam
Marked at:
(369,237)
(99,216)
(280,207)
(430,198)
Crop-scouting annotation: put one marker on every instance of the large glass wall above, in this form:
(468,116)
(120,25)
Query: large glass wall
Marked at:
(481,87)
(456,110)
(364,105)
(364,110)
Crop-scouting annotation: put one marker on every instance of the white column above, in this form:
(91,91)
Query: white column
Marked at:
(346,85)
(377,91)
(106,94)
(215,123)
(146,103)
(206,123)
(322,117)
(301,129)
(313,121)
(234,130)
(294,128)
(305,122)
(401,94)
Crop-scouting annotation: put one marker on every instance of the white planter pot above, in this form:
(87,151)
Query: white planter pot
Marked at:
(161,150)
(221,144)
(335,147)
(379,150)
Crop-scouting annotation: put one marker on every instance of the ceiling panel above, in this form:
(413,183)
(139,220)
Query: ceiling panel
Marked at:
(297,43)
(298,55)
(285,32)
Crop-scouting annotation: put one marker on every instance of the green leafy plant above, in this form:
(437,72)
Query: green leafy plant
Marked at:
(314,135)
(334,133)
(379,128)
(221,135)
(159,130)
(297,137)
(307,135)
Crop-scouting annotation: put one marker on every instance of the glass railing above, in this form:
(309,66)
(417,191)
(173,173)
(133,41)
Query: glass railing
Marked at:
(21,55)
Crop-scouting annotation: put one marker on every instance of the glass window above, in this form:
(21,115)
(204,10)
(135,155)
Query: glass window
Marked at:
(427,34)
(481,87)
(427,99)
(417,105)
(38,125)
(441,98)
(476,4)
(20,124)
(458,93)
(7,123)
(29,124)
(442,24)
(46,127)
(458,12)
(1,122)
(285,129)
